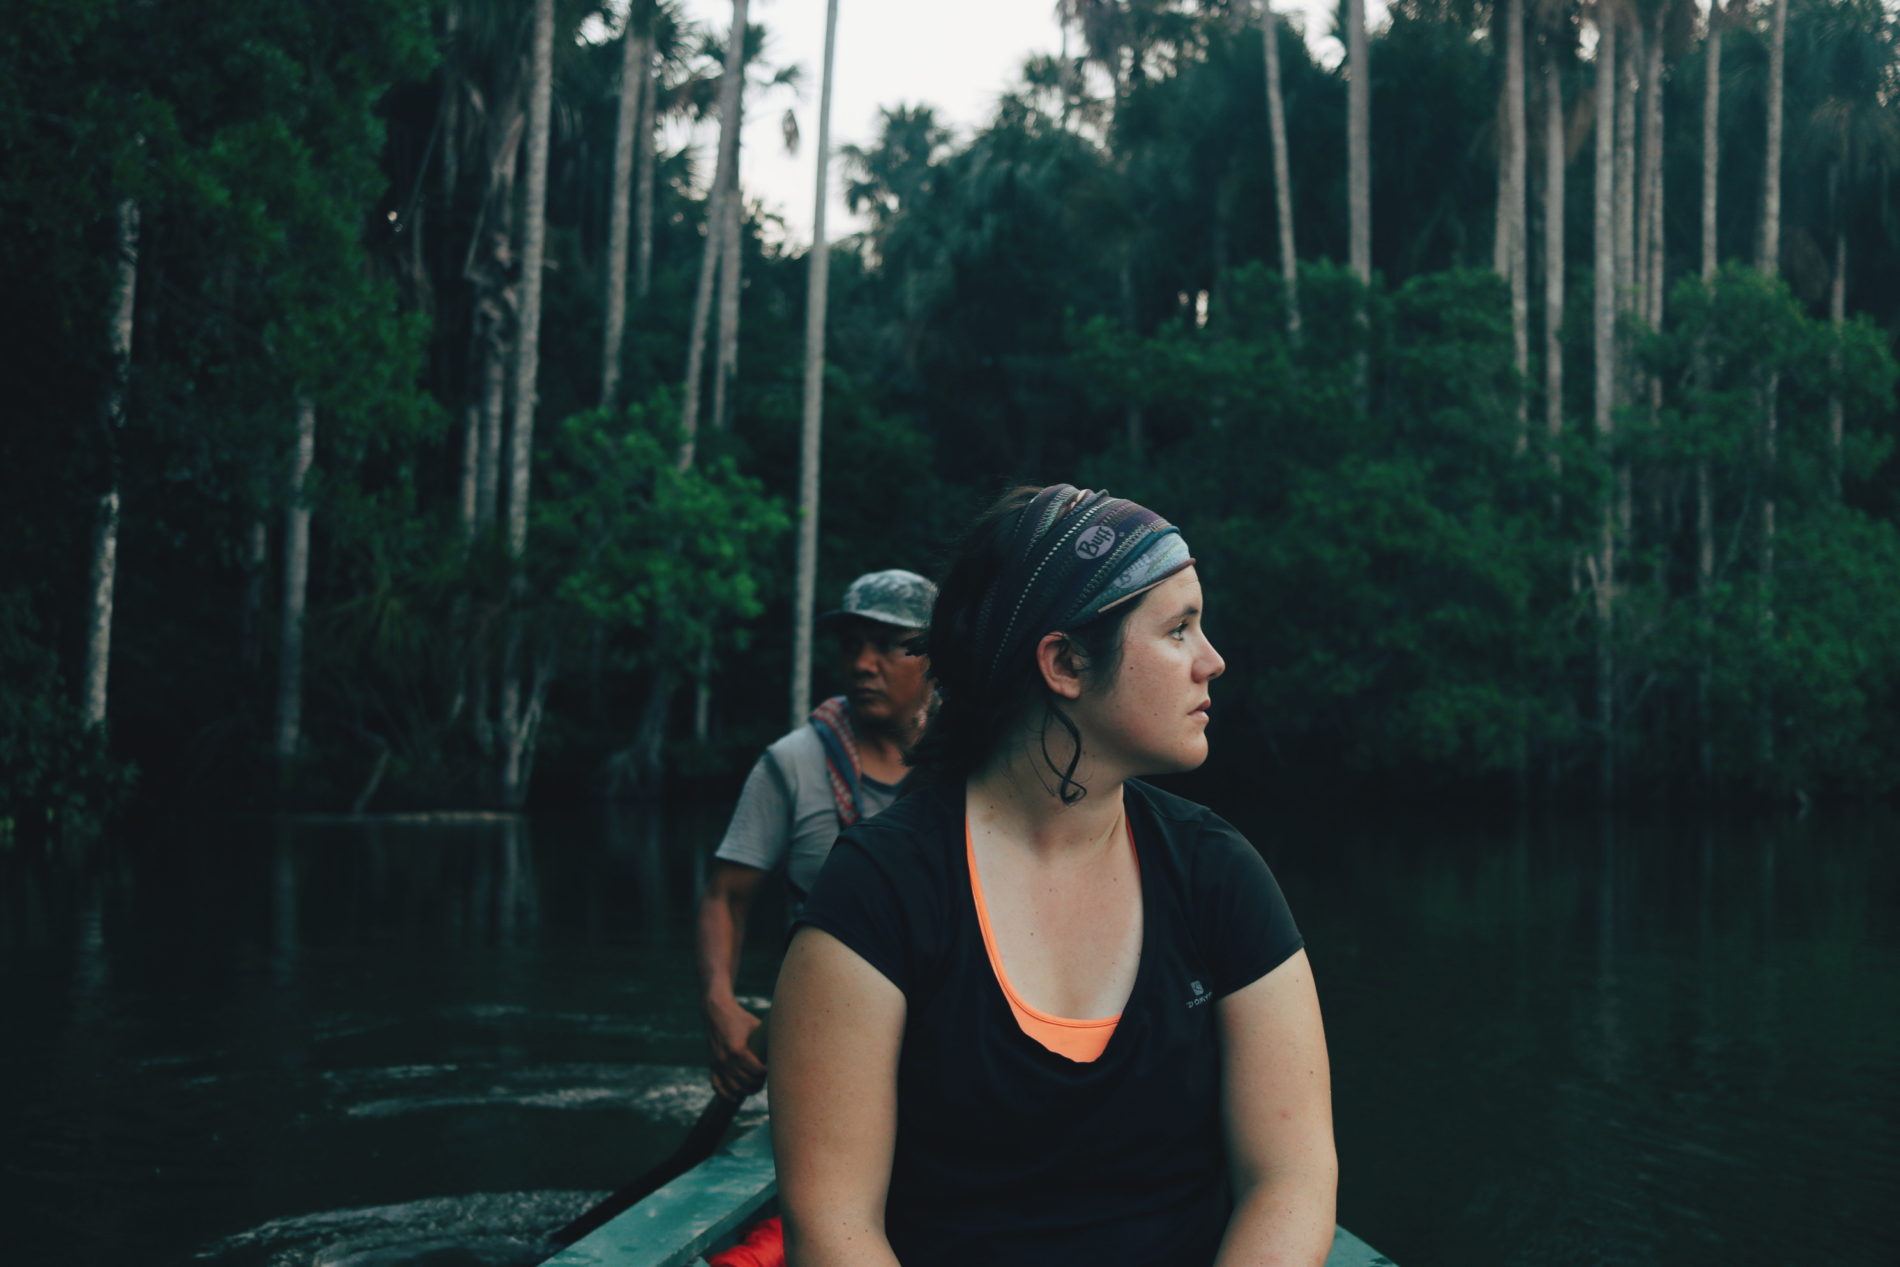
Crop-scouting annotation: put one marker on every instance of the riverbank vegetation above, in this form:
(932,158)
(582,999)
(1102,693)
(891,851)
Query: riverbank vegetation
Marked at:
(406,408)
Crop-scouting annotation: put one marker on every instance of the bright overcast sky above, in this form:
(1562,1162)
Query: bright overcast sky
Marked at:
(958,58)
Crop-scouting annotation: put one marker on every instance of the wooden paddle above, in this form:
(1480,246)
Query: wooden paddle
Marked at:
(695,1148)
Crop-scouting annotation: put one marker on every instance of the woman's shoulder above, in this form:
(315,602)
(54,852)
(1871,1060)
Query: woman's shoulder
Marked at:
(1182,822)
(1205,850)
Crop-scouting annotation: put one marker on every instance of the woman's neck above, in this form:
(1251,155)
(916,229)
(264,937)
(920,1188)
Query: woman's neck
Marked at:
(1015,798)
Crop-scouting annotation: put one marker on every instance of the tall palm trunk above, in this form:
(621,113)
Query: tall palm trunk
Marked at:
(518,723)
(1704,490)
(811,429)
(1769,259)
(250,622)
(1629,81)
(645,159)
(490,266)
(1359,181)
(1652,261)
(1517,254)
(296,586)
(725,365)
(469,472)
(1603,568)
(1837,318)
(1629,66)
(730,86)
(635,53)
(1282,180)
(1553,262)
(726,347)
(105,530)
(1769,262)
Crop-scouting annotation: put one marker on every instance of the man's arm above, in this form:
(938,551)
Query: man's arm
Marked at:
(723,909)
(838,1024)
(1276,1091)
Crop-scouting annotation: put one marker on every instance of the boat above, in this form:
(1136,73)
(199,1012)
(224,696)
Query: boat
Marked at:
(705,1209)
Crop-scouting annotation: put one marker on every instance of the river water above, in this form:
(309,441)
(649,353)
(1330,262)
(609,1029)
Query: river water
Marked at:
(248,1043)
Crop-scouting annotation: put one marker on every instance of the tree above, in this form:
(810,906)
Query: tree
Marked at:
(1704,488)
(636,74)
(105,538)
(1553,206)
(1769,263)
(1282,181)
(1359,170)
(296,587)
(1511,258)
(1601,565)
(1358,143)
(811,426)
(1851,137)
(520,722)
(731,85)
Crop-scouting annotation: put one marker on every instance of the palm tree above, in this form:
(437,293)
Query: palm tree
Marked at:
(1768,261)
(1359,178)
(731,258)
(1711,138)
(1554,148)
(1358,144)
(726,344)
(1282,181)
(1603,566)
(105,534)
(731,85)
(1509,252)
(636,73)
(519,723)
(296,586)
(1704,491)
(811,429)
(1854,133)
(1629,81)
(1769,257)
(884,180)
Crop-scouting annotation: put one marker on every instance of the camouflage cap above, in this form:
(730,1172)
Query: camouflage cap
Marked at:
(890,597)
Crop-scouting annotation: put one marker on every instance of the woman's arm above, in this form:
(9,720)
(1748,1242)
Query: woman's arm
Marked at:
(837,1024)
(1276,1093)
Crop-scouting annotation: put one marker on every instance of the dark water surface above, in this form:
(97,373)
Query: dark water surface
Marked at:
(240,1044)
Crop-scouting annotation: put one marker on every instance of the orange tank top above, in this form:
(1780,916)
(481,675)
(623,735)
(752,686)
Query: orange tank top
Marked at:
(1080,1041)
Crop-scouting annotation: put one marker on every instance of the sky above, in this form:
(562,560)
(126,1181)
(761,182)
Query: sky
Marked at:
(958,58)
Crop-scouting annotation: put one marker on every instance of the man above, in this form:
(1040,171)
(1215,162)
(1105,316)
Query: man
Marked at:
(842,766)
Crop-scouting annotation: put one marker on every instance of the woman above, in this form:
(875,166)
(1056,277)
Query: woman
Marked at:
(1037,1012)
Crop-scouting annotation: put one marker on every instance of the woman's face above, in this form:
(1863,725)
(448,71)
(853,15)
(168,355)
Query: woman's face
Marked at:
(1151,717)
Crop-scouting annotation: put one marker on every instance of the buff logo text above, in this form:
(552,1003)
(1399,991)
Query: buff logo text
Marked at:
(1096,543)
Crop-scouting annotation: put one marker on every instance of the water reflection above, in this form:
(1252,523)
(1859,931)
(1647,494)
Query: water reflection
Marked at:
(293,1043)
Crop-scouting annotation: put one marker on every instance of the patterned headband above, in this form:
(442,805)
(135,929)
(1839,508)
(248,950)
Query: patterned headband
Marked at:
(1072,555)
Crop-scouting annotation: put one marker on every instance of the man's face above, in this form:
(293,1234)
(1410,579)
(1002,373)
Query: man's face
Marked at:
(884,682)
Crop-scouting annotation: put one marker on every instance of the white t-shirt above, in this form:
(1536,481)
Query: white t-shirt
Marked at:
(787,817)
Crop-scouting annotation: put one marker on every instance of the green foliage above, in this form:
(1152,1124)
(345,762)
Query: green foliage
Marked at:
(1086,286)
(664,563)
(60,778)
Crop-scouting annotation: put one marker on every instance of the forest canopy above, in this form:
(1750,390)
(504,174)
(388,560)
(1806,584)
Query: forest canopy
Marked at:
(398,421)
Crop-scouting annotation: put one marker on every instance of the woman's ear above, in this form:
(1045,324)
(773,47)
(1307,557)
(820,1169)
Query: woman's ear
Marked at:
(1061,664)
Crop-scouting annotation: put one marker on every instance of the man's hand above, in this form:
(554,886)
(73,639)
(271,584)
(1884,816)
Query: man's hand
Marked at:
(737,1070)
(731,1031)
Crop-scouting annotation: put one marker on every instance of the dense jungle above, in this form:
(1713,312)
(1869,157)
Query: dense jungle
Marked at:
(406,397)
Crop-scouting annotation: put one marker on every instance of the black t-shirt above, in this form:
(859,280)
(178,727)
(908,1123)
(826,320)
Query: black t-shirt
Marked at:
(1007,1152)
